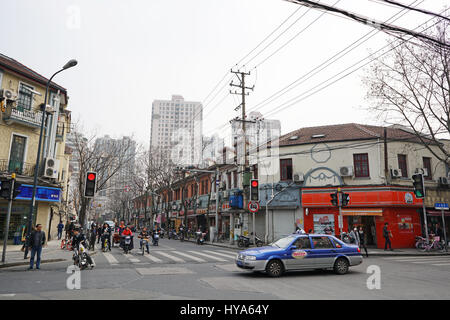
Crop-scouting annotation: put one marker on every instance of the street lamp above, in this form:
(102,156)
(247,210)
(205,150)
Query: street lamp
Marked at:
(69,64)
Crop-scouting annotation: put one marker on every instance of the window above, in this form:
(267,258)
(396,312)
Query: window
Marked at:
(322,243)
(361,164)
(303,243)
(402,165)
(17,154)
(427,165)
(229,180)
(286,169)
(25,97)
(235,179)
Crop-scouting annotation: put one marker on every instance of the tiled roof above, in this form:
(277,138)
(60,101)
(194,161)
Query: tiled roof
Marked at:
(16,66)
(344,132)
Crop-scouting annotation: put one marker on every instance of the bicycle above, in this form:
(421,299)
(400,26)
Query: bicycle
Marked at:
(435,245)
(221,238)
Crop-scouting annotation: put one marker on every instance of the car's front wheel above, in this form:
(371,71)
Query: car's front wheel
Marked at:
(274,268)
(341,266)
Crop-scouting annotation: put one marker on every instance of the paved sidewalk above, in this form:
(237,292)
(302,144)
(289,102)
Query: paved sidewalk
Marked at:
(372,251)
(50,253)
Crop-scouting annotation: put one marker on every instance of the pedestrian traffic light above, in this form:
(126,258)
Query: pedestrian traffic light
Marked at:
(345,199)
(254,190)
(419,188)
(90,185)
(334,199)
(16,191)
(5,188)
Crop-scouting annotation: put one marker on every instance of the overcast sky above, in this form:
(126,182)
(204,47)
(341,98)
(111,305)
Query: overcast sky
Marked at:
(132,52)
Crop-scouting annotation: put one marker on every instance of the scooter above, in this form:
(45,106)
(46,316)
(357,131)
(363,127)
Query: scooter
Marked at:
(127,244)
(420,243)
(246,241)
(81,257)
(200,237)
(155,238)
(144,245)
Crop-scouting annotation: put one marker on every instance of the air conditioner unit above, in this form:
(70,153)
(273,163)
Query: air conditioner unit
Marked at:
(346,171)
(50,109)
(51,168)
(443,181)
(396,173)
(299,178)
(226,194)
(213,196)
(7,94)
(423,171)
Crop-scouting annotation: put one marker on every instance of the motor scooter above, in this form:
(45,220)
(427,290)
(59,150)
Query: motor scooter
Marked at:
(155,238)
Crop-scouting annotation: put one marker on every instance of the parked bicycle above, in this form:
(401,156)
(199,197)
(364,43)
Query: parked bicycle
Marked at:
(435,245)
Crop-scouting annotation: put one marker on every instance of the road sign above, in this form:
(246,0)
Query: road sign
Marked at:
(441,206)
(253,206)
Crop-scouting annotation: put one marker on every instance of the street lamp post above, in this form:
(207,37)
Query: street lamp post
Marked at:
(68,65)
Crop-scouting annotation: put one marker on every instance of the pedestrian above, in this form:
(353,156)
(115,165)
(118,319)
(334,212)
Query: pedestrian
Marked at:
(99,233)
(354,235)
(35,243)
(298,230)
(60,230)
(25,238)
(387,234)
(362,240)
(93,235)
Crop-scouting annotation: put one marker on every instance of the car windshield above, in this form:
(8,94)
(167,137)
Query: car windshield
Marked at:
(283,242)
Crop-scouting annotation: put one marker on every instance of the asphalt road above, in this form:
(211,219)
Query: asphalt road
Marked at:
(184,270)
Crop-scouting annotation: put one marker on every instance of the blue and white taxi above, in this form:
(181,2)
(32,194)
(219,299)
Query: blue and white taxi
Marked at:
(301,252)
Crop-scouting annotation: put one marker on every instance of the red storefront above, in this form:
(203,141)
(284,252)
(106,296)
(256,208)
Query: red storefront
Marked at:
(369,207)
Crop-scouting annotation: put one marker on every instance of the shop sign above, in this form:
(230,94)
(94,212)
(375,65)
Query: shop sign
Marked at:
(409,198)
(42,193)
(441,206)
(322,221)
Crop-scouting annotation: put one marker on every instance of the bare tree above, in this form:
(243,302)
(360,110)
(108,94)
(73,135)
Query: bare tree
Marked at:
(410,86)
(107,161)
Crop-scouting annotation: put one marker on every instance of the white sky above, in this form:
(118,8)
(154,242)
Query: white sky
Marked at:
(132,52)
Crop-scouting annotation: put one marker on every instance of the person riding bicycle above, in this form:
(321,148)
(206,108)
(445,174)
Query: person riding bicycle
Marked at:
(106,233)
(144,235)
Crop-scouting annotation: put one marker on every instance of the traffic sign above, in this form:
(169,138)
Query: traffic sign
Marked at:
(253,206)
(441,206)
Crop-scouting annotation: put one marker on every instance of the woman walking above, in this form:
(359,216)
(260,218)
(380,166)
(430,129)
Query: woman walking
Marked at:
(362,240)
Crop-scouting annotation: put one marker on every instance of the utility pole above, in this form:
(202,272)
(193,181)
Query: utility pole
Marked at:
(245,168)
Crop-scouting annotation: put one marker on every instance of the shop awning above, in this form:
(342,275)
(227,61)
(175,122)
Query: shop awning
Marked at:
(437,213)
(362,212)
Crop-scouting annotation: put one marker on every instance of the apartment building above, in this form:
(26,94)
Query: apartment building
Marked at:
(22,92)
(176,129)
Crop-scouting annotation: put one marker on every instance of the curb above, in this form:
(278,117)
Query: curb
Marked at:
(26,263)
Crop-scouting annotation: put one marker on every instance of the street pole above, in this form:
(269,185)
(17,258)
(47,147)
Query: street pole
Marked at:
(69,64)
(445,231)
(8,217)
(424,209)
(217,203)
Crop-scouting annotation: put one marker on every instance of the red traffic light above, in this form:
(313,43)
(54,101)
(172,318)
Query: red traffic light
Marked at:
(254,184)
(91,176)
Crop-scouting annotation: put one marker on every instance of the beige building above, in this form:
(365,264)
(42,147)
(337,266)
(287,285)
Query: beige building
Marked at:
(22,93)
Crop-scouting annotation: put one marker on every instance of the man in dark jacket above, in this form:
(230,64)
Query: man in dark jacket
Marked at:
(60,230)
(386,235)
(35,243)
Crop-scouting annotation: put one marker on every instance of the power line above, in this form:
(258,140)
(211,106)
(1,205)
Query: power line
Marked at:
(326,63)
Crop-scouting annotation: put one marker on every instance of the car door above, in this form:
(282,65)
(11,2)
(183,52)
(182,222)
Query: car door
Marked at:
(323,252)
(301,254)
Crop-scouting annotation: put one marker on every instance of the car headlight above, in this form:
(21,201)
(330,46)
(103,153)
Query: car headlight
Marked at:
(251,258)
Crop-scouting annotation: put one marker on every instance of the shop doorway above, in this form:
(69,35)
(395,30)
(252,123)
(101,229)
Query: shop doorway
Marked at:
(368,224)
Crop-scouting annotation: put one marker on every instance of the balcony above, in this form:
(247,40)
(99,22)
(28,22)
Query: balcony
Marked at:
(22,116)
(20,168)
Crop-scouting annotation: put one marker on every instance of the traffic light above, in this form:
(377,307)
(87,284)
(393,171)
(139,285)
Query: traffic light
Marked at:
(91,183)
(419,188)
(5,189)
(334,199)
(254,190)
(345,199)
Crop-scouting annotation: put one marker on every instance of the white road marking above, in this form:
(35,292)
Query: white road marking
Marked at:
(170,257)
(110,258)
(229,256)
(209,256)
(189,256)
(413,258)
(163,271)
(7,295)
(130,258)
(440,264)
(152,258)
(430,261)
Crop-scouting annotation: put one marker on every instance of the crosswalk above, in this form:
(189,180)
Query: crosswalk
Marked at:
(422,260)
(117,257)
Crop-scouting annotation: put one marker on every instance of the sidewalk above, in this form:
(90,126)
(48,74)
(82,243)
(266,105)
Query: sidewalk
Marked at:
(51,253)
(372,251)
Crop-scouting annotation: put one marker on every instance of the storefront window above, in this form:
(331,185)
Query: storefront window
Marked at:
(323,221)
